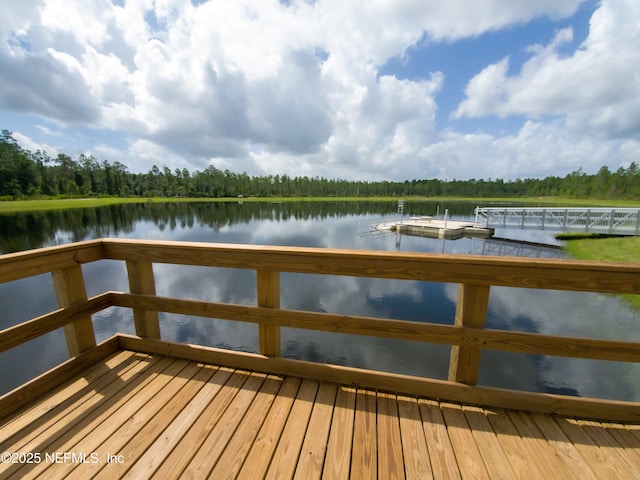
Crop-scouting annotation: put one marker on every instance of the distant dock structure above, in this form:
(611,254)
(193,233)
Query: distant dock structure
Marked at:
(426,226)
(612,221)
(431,227)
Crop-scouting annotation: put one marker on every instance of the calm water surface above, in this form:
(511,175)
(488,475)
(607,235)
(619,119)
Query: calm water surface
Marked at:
(331,225)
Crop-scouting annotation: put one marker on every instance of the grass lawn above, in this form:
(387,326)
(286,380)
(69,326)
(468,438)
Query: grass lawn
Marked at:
(61,204)
(609,249)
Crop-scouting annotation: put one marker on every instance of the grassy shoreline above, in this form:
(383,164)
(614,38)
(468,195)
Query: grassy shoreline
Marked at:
(606,249)
(16,206)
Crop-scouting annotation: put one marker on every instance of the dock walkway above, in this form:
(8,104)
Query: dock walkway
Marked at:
(137,415)
(611,221)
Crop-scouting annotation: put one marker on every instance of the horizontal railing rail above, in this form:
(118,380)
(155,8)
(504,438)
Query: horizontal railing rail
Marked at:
(503,340)
(467,336)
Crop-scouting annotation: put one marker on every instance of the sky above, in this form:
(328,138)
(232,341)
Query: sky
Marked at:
(377,90)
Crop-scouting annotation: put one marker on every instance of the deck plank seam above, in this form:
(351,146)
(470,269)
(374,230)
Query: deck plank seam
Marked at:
(59,427)
(120,426)
(470,457)
(346,403)
(529,430)
(314,445)
(170,436)
(21,415)
(180,391)
(306,429)
(563,447)
(607,442)
(229,423)
(589,449)
(225,398)
(482,432)
(279,413)
(248,428)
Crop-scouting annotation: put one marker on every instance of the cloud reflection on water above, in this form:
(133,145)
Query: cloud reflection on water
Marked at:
(549,312)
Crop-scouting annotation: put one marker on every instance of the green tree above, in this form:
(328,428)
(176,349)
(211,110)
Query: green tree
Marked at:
(17,169)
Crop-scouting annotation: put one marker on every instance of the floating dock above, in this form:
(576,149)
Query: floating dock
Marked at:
(436,228)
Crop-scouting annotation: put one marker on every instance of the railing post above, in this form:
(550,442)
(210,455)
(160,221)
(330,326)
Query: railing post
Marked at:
(70,289)
(611,220)
(471,311)
(141,281)
(268,283)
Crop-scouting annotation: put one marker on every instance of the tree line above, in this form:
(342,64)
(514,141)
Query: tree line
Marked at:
(25,174)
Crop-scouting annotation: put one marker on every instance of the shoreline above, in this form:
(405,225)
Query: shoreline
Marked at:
(16,206)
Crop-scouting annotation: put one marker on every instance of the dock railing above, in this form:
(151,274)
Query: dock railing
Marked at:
(467,336)
(613,221)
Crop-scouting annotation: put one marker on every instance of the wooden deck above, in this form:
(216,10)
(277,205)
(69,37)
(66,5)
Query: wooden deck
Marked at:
(137,415)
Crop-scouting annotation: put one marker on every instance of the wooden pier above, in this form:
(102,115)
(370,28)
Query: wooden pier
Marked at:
(142,407)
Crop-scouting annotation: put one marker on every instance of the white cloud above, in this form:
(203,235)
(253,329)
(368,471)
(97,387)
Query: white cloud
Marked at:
(264,87)
(17,18)
(486,92)
(28,144)
(594,88)
(536,150)
(146,154)
(85,20)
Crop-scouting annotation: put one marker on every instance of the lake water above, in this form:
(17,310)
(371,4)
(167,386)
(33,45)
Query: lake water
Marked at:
(332,225)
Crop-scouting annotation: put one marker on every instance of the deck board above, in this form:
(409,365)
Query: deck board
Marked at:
(338,459)
(314,447)
(364,451)
(597,459)
(127,423)
(285,459)
(562,446)
(266,442)
(553,466)
(443,458)
(390,458)
(414,445)
(20,428)
(514,446)
(488,444)
(609,443)
(186,448)
(172,418)
(468,455)
(215,444)
(162,447)
(233,457)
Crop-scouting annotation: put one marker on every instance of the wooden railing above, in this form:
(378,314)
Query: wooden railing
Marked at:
(475,276)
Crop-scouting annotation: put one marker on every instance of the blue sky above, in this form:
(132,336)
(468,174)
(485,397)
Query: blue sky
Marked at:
(389,90)
(460,60)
